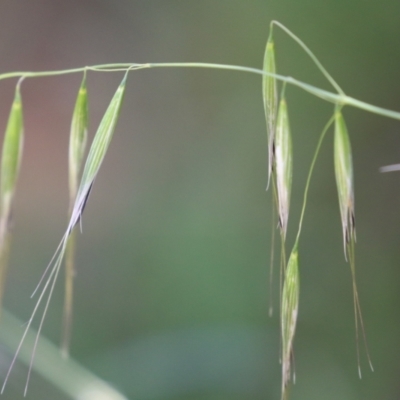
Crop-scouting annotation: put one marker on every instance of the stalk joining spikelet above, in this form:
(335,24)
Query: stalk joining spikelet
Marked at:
(344,179)
(10,164)
(77,145)
(270,97)
(290,304)
(283,164)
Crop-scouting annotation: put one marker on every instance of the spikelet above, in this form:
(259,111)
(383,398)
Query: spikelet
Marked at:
(345,187)
(283,164)
(78,138)
(77,145)
(290,305)
(270,97)
(10,165)
(12,154)
(344,179)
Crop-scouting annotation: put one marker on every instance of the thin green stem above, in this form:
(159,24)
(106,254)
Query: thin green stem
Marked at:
(321,138)
(31,74)
(311,55)
(271,261)
(334,98)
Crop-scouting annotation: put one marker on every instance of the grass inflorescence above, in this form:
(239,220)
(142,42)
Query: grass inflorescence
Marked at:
(281,167)
(94,160)
(279,172)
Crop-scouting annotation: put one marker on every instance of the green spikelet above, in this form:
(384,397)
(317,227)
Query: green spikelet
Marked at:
(344,179)
(270,97)
(10,165)
(290,305)
(77,145)
(283,164)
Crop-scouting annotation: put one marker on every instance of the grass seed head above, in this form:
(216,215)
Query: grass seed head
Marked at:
(12,153)
(270,97)
(94,160)
(78,138)
(283,164)
(290,305)
(344,178)
(97,152)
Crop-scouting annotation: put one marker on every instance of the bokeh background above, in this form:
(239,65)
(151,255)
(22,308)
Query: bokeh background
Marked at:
(172,290)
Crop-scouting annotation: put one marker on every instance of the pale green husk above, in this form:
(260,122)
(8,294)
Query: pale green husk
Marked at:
(77,145)
(97,152)
(344,178)
(290,305)
(78,138)
(283,164)
(270,97)
(10,165)
(12,153)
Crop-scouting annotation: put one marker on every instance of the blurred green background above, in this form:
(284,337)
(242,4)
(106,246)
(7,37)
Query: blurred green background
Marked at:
(172,288)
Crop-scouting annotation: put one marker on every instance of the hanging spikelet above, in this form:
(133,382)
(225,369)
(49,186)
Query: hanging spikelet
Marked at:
(345,187)
(10,165)
(290,305)
(283,164)
(344,179)
(77,145)
(270,97)
(78,138)
(12,154)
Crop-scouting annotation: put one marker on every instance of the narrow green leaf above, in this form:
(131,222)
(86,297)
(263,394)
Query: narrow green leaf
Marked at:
(344,178)
(290,305)
(283,164)
(270,97)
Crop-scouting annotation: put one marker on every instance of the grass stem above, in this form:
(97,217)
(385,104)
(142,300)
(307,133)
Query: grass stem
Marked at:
(303,209)
(339,99)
